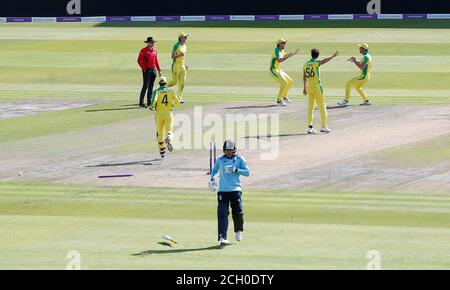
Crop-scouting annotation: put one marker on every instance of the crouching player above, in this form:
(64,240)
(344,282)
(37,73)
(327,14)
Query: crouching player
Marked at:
(163,100)
(230,167)
(365,67)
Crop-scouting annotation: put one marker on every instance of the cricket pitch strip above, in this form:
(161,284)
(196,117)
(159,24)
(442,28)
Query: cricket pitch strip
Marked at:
(355,153)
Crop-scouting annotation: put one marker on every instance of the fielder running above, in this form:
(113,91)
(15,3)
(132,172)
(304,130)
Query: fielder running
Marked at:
(230,167)
(365,67)
(179,67)
(163,100)
(285,81)
(312,86)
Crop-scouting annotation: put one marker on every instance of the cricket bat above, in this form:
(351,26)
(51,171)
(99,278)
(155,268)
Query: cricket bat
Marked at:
(168,238)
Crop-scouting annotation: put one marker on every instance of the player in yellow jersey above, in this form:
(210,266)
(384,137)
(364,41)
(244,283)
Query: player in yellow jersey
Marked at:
(163,100)
(312,86)
(365,67)
(179,67)
(279,55)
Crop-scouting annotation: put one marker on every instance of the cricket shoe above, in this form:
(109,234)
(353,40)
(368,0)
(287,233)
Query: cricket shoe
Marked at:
(181,101)
(311,131)
(287,100)
(238,236)
(169,144)
(162,156)
(325,130)
(342,103)
(366,103)
(224,242)
(282,103)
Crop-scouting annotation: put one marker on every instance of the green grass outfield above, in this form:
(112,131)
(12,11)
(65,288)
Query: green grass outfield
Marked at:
(89,61)
(111,226)
(40,223)
(227,64)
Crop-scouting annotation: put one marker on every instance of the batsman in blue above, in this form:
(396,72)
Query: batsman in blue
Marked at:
(230,167)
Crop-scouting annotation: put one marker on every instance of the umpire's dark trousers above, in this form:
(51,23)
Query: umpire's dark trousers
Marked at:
(148,78)
(225,200)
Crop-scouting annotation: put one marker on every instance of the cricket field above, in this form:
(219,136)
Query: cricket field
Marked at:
(376,191)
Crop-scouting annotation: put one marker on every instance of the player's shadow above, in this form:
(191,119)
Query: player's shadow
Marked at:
(175,251)
(144,162)
(338,107)
(113,109)
(251,107)
(279,135)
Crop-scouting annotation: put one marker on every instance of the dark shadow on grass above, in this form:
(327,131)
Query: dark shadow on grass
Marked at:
(130,105)
(280,135)
(144,162)
(114,109)
(175,251)
(251,107)
(338,107)
(165,244)
(386,23)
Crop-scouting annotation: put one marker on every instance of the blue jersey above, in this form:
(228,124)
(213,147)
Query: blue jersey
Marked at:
(230,181)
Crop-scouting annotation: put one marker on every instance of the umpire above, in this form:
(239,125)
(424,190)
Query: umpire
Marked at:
(148,61)
(230,167)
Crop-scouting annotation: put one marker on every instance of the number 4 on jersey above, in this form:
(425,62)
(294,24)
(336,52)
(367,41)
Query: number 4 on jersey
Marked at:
(165,100)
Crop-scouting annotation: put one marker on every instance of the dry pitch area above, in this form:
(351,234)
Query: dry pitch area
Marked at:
(354,157)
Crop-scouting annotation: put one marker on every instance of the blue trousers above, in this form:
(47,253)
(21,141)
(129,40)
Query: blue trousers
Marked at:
(226,200)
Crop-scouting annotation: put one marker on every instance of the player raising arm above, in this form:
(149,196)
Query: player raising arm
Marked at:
(163,101)
(279,56)
(312,86)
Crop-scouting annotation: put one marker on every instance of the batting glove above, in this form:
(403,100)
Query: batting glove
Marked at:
(212,185)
